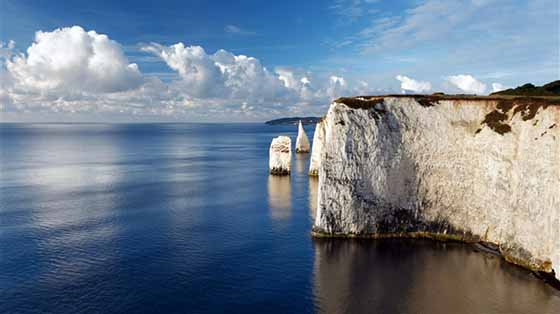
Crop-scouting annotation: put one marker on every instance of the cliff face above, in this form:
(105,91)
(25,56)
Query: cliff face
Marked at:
(470,168)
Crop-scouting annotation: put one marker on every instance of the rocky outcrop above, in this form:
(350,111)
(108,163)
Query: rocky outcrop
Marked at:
(318,142)
(302,141)
(280,156)
(475,169)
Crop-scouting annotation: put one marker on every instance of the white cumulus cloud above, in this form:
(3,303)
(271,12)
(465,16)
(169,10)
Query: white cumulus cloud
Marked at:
(72,59)
(221,75)
(200,75)
(467,83)
(409,84)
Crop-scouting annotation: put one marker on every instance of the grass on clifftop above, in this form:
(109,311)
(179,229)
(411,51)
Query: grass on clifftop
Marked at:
(550,89)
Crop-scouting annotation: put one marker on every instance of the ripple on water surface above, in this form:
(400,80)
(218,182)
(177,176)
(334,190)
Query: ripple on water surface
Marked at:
(184,218)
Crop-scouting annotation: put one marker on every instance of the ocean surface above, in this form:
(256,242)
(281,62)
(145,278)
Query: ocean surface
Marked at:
(184,218)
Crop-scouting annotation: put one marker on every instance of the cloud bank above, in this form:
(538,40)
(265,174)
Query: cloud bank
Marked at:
(221,75)
(71,70)
(74,70)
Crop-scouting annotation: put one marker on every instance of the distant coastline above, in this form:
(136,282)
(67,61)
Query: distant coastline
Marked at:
(294,121)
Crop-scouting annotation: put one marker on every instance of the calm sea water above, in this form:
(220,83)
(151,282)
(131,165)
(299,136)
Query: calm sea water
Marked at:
(184,218)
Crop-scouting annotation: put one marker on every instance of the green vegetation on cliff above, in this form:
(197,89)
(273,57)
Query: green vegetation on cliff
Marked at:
(550,89)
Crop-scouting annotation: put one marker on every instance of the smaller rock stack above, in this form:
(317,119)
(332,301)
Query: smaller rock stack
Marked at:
(302,142)
(280,155)
(318,141)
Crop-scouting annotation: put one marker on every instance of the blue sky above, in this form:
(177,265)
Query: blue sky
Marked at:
(299,55)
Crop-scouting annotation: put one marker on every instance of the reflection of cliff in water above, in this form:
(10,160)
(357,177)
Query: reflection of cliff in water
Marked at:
(313,189)
(301,161)
(279,197)
(421,276)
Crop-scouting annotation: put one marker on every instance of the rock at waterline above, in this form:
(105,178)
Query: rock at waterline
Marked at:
(280,155)
(302,142)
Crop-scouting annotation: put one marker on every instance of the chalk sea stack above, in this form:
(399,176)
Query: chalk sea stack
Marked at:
(318,140)
(280,155)
(302,141)
(466,168)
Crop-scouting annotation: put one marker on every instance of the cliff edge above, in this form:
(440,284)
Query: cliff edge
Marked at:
(474,169)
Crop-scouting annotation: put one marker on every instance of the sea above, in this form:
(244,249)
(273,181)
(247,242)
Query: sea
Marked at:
(184,218)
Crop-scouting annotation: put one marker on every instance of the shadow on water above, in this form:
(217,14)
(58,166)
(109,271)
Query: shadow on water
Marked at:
(422,276)
(313,194)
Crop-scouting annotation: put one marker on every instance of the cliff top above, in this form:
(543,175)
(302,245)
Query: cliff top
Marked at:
(504,106)
(526,95)
(366,102)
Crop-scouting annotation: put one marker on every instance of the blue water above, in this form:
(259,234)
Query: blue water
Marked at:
(184,218)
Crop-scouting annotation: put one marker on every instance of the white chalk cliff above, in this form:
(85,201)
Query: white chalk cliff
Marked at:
(475,169)
(302,141)
(318,141)
(280,155)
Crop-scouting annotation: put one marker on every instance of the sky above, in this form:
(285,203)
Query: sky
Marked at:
(249,61)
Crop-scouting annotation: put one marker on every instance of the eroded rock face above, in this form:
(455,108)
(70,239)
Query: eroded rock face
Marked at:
(318,142)
(280,155)
(302,141)
(474,170)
